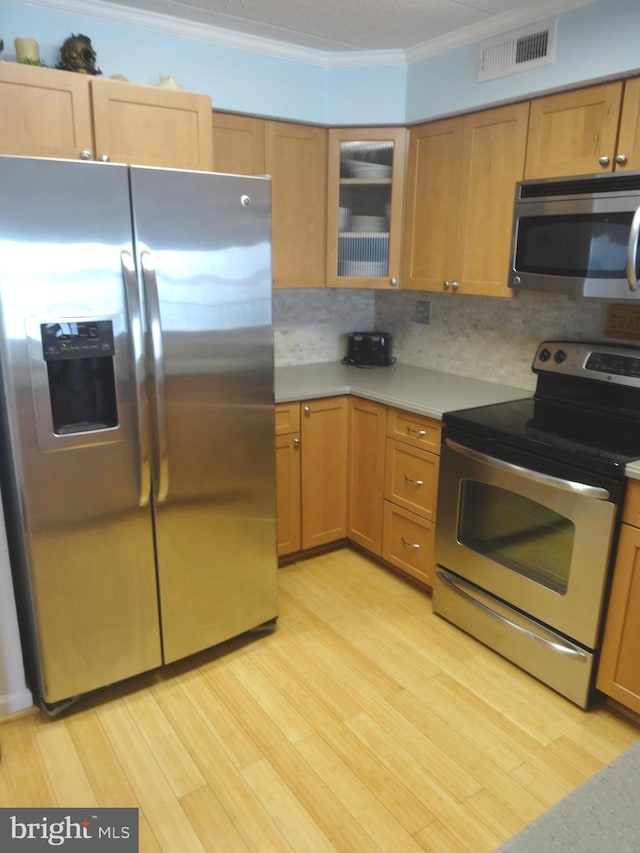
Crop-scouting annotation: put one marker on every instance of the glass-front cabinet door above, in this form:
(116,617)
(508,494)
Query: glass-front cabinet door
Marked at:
(366,185)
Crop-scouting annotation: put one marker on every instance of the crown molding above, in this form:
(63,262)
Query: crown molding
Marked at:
(494,26)
(115,13)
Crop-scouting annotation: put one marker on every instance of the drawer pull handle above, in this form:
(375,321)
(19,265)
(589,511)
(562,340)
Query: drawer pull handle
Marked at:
(410,544)
(414,482)
(420,432)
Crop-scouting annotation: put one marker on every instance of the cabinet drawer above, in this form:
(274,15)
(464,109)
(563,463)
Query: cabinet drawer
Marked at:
(287,418)
(416,430)
(408,542)
(631,509)
(411,478)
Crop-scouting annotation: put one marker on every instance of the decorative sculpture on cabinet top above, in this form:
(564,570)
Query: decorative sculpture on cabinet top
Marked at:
(77,54)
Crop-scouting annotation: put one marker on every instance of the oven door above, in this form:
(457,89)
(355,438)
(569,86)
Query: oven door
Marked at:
(537,541)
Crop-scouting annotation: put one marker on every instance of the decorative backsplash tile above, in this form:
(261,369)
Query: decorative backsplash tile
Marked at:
(483,337)
(311,325)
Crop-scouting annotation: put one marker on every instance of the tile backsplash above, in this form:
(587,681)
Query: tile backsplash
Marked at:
(483,337)
(311,325)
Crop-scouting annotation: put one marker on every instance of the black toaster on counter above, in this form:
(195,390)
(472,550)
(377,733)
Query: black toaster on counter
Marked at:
(369,349)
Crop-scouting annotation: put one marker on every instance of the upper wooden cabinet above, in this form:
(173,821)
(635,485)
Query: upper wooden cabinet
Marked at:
(238,144)
(627,153)
(151,126)
(45,113)
(460,189)
(296,159)
(366,175)
(586,131)
(51,113)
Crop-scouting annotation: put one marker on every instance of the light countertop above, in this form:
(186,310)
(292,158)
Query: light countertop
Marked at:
(415,389)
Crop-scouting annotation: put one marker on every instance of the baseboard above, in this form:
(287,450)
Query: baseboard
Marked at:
(14,703)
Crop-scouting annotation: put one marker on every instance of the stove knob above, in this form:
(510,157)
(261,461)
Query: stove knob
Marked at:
(560,356)
(545,354)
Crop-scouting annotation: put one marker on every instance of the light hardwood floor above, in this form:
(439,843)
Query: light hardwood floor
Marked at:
(363,723)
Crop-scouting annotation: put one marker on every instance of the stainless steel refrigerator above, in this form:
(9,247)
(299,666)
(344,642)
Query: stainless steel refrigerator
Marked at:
(136,361)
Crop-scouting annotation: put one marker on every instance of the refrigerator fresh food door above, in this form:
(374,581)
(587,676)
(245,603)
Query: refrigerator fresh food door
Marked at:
(203,243)
(74,462)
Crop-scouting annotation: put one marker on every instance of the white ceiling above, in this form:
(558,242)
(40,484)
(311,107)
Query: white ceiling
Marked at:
(335,26)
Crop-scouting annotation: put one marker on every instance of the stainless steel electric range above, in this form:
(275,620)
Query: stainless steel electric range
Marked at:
(529,506)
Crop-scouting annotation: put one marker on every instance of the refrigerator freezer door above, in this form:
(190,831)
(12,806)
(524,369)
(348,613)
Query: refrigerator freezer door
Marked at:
(206,263)
(72,478)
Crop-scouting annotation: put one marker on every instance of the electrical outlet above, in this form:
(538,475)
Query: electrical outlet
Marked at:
(423,312)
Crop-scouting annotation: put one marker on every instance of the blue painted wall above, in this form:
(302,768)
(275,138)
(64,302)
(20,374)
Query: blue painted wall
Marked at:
(594,41)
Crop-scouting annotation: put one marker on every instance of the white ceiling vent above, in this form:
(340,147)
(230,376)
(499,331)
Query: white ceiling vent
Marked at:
(518,50)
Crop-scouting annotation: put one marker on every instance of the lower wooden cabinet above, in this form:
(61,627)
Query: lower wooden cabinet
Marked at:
(409,542)
(353,468)
(288,478)
(619,667)
(411,479)
(412,467)
(311,473)
(323,432)
(365,489)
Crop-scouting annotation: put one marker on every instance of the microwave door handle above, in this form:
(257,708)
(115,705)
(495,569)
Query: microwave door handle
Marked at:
(132,296)
(536,476)
(161,480)
(632,252)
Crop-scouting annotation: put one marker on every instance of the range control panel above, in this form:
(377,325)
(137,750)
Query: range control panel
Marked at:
(69,339)
(600,362)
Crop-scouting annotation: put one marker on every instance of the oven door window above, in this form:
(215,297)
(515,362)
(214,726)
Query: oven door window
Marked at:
(517,532)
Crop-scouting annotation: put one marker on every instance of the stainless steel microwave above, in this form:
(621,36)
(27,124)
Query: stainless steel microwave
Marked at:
(578,236)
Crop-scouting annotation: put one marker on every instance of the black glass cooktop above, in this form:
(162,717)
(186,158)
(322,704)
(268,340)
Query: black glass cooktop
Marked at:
(603,441)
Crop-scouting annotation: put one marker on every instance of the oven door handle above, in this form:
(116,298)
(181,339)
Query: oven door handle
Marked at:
(545,479)
(563,647)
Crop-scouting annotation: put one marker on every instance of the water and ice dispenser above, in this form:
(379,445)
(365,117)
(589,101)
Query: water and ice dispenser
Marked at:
(80,369)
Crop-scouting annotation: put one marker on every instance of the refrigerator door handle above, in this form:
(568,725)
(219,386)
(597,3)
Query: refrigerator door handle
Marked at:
(135,324)
(161,479)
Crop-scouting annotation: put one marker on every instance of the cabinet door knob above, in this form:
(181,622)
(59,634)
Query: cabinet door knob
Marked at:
(604,160)
(394,282)
(621,159)
(445,285)
(105,158)
(296,442)
(454,285)
(85,155)
(306,410)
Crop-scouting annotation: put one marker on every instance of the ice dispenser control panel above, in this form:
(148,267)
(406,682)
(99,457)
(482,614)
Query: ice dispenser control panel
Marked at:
(77,340)
(80,371)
